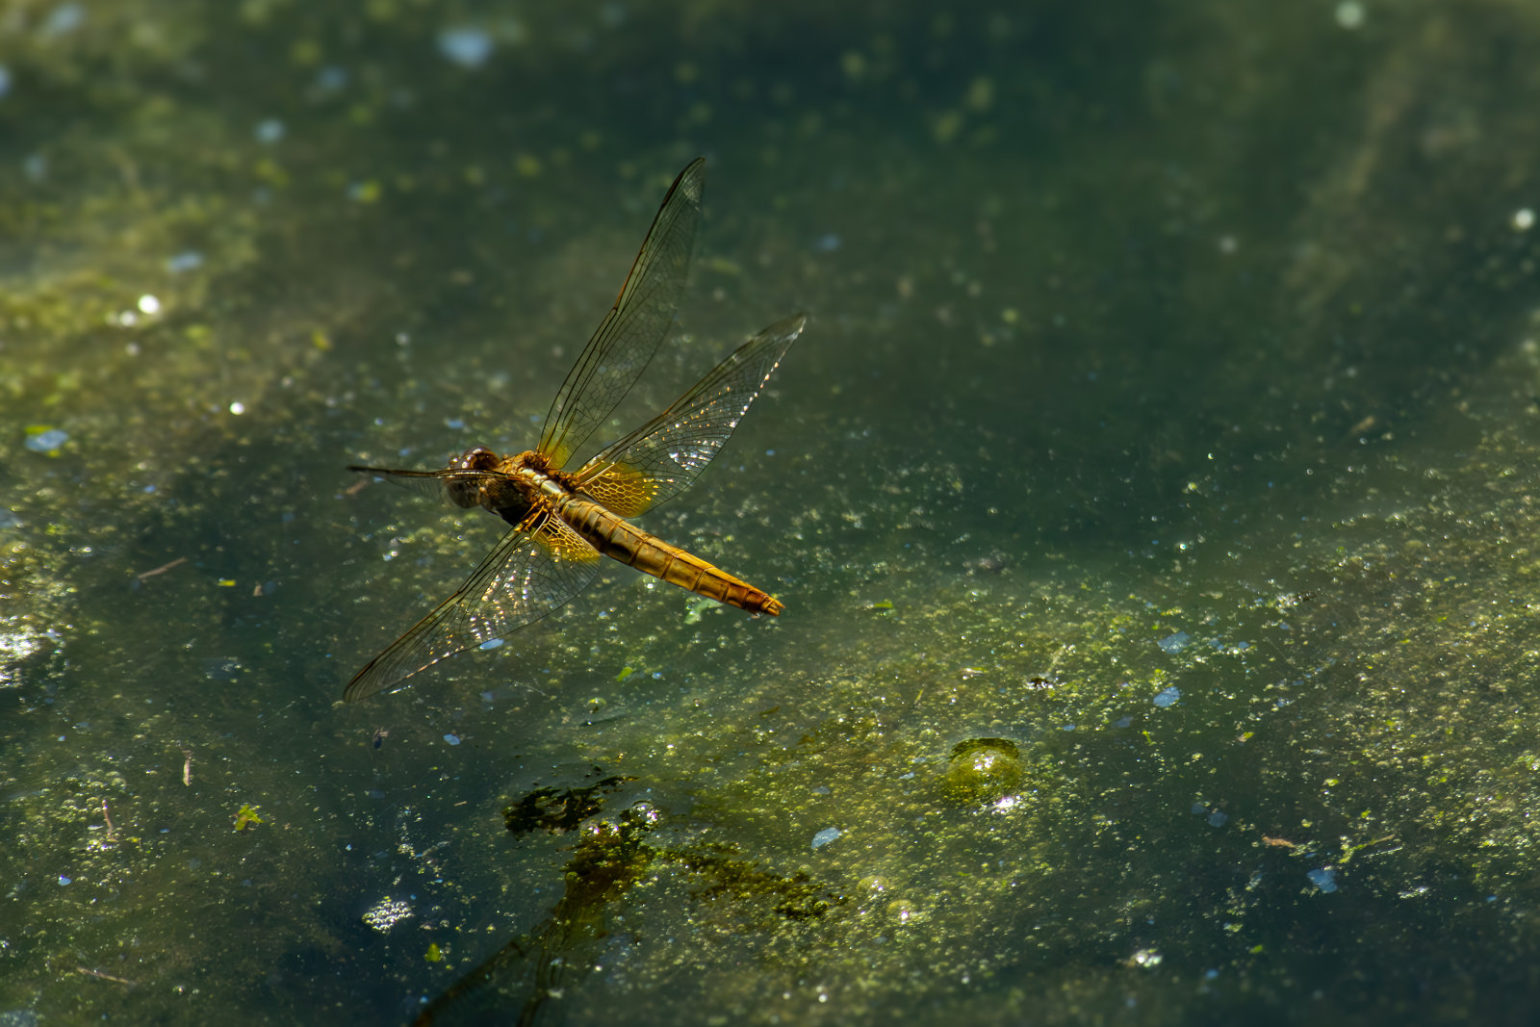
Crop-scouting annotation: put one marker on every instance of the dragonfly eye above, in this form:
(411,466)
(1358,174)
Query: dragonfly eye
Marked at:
(478,458)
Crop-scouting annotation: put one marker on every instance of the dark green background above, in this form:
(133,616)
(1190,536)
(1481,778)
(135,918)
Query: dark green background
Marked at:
(1154,346)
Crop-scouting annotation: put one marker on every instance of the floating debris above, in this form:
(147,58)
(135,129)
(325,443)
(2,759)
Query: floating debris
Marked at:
(63,20)
(387,913)
(1175,643)
(1168,696)
(163,568)
(42,439)
(465,45)
(983,770)
(187,260)
(246,816)
(331,79)
(826,836)
(269,131)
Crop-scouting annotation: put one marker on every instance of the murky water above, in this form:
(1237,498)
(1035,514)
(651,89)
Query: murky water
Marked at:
(1149,495)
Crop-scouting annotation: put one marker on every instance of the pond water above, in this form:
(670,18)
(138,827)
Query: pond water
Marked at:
(1149,496)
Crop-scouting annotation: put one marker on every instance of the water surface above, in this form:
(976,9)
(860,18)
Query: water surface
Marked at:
(1149,496)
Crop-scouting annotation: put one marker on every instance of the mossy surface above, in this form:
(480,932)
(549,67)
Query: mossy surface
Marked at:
(1150,495)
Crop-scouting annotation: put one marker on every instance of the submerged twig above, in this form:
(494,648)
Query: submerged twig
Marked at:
(163,568)
(106,977)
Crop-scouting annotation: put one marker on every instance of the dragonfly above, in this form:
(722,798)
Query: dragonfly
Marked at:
(563,521)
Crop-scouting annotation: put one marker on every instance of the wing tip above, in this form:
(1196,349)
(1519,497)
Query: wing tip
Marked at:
(790,326)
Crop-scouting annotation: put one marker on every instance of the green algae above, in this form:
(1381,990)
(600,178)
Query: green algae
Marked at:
(1307,451)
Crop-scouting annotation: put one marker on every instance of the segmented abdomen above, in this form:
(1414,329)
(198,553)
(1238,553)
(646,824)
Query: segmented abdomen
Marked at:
(619,539)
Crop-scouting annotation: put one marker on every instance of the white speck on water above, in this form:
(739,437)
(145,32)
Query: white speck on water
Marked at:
(1175,643)
(1350,14)
(64,19)
(1324,878)
(237,408)
(1167,696)
(331,79)
(269,131)
(48,441)
(452,739)
(148,305)
(63,880)
(492,643)
(187,260)
(1523,219)
(826,836)
(465,45)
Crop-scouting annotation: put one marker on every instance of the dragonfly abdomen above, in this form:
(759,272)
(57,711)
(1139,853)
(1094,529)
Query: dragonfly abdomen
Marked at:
(621,540)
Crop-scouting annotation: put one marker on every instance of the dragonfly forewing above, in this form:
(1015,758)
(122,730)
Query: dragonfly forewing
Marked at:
(630,334)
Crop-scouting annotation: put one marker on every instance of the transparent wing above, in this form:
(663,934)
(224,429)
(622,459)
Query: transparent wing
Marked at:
(636,325)
(663,457)
(530,573)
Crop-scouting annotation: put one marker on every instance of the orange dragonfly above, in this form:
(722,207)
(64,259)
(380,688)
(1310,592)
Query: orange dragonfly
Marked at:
(563,521)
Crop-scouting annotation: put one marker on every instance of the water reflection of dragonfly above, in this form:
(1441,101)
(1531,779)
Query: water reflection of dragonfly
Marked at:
(563,521)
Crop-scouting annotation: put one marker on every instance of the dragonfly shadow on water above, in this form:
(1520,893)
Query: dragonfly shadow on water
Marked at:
(614,853)
(562,522)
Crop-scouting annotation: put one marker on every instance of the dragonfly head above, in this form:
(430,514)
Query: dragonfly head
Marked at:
(466,492)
